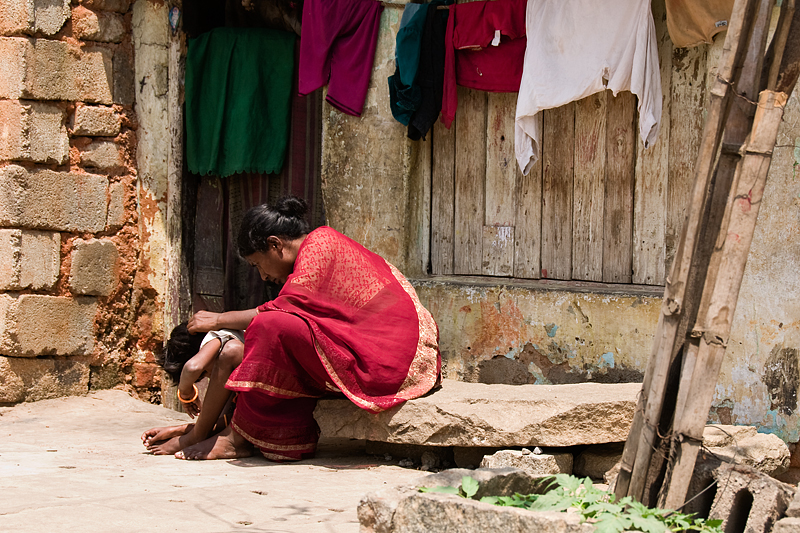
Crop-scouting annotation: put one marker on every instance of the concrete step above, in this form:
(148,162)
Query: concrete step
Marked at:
(475,414)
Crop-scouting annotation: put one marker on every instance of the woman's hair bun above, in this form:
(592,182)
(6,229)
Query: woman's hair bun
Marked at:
(292,207)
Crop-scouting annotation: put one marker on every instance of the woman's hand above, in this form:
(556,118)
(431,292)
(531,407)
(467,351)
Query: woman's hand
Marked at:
(203,321)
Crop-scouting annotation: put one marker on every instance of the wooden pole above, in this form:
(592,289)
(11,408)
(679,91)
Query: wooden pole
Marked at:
(639,446)
(750,179)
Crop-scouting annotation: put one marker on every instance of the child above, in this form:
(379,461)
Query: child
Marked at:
(188,358)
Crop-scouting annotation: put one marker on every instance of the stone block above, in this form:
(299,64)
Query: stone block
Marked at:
(404,509)
(50,15)
(29,259)
(17,54)
(29,380)
(794,507)
(33,131)
(120,6)
(744,445)
(749,500)
(32,325)
(475,414)
(45,199)
(31,16)
(94,75)
(96,121)
(97,26)
(116,206)
(43,69)
(103,155)
(787,525)
(536,465)
(595,461)
(16,17)
(94,267)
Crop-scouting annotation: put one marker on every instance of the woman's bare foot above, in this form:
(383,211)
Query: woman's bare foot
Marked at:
(228,444)
(158,435)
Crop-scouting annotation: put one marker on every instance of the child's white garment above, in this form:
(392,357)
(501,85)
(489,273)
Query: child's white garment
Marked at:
(224,335)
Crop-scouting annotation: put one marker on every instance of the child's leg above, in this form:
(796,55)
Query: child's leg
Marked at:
(216,397)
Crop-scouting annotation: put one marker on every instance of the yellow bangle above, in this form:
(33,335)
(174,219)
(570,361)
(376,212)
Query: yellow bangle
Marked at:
(196,393)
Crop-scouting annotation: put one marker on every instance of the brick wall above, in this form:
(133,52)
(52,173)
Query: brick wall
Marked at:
(76,312)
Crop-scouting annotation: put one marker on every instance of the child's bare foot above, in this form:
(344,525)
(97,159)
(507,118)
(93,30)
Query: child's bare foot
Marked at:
(228,444)
(166,447)
(176,444)
(157,435)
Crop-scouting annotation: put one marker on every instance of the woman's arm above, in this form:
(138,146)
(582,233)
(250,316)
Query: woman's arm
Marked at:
(203,321)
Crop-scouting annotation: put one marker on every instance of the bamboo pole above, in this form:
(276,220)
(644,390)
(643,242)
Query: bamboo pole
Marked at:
(724,288)
(641,439)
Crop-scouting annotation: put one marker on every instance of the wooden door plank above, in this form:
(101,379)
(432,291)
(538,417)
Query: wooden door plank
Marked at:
(501,163)
(528,226)
(620,168)
(470,180)
(209,262)
(442,198)
(498,250)
(589,188)
(650,196)
(558,146)
(686,131)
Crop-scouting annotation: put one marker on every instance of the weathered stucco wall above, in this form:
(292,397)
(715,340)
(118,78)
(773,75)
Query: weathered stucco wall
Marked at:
(760,376)
(77,260)
(520,332)
(375,184)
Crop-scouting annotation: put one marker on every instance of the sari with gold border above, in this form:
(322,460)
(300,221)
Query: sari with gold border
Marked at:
(375,341)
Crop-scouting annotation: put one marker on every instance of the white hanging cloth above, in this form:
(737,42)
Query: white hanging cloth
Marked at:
(580,47)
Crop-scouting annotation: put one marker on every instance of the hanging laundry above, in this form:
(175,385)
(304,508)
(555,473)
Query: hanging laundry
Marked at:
(238,92)
(694,22)
(404,95)
(580,47)
(337,47)
(430,74)
(484,49)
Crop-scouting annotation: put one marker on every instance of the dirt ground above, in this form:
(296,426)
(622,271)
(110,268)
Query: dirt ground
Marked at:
(78,465)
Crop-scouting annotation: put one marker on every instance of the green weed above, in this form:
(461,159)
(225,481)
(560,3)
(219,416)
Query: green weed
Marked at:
(592,505)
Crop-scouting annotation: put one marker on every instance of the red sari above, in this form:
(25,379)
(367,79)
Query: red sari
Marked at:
(345,321)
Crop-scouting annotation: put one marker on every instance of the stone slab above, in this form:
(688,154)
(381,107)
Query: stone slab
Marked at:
(744,445)
(403,509)
(476,414)
(787,525)
(536,465)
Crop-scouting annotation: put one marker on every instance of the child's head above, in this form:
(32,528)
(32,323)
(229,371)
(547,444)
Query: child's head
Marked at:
(181,347)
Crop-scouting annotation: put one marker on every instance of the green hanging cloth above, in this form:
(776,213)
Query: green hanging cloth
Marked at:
(238,98)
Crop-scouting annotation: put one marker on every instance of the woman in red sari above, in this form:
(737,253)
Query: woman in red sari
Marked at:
(345,321)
